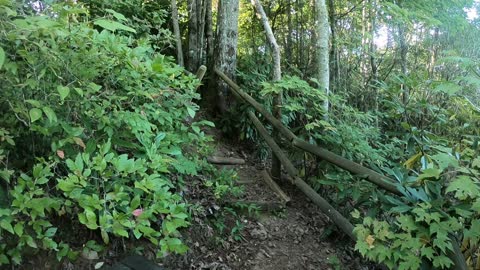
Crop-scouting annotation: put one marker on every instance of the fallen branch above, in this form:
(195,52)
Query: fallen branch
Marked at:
(274,187)
(225,160)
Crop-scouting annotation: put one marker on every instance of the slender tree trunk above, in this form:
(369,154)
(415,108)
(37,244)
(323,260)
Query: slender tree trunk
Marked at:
(334,61)
(226,49)
(403,60)
(277,75)
(323,33)
(288,50)
(192,63)
(202,7)
(209,35)
(403,47)
(433,54)
(209,93)
(176,31)
(196,33)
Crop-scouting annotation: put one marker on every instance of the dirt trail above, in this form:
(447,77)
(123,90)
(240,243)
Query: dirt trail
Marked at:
(289,239)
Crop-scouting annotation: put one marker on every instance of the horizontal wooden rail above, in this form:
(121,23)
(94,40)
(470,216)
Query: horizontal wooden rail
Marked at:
(371,176)
(326,208)
(348,165)
(380,180)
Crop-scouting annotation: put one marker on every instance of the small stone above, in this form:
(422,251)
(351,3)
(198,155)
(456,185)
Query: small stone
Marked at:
(259,233)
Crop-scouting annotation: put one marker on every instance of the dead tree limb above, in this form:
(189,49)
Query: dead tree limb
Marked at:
(225,160)
(275,187)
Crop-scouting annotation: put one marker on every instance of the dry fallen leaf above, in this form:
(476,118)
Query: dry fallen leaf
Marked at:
(60,154)
(370,241)
(79,142)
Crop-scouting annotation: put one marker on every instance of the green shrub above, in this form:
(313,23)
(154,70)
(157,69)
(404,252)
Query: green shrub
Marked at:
(95,131)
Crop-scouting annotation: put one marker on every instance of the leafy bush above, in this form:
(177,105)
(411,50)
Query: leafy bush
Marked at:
(95,134)
(440,205)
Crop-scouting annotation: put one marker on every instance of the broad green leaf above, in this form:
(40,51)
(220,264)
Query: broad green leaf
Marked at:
(5,224)
(445,160)
(18,228)
(135,203)
(464,187)
(52,117)
(113,26)
(137,234)
(115,14)
(429,173)
(442,262)
(33,102)
(2,57)
(448,88)
(105,237)
(63,91)
(474,232)
(51,232)
(120,231)
(35,114)
(4,259)
(428,252)
(191,112)
(31,242)
(196,129)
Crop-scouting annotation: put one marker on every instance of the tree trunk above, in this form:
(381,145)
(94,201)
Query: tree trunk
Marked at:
(403,60)
(176,31)
(433,53)
(192,63)
(277,75)
(333,50)
(208,93)
(288,43)
(323,33)
(226,49)
(196,32)
(403,50)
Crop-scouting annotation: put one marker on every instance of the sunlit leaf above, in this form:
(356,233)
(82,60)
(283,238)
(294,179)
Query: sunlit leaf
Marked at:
(113,26)
(35,114)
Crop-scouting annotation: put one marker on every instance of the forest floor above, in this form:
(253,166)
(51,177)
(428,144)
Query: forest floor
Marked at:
(292,238)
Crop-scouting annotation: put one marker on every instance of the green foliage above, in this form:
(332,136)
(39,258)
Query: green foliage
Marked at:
(439,205)
(224,185)
(145,21)
(95,131)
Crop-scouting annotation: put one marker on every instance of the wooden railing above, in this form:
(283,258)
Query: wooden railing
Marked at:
(379,180)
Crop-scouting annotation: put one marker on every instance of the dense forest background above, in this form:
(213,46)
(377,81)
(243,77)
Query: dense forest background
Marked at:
(99,125)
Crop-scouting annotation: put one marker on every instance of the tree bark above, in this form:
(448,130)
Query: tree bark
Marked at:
(196,33)
(334,74)
(403,50)
(226,49)
(192,63)
(323,33)
(209,34)
(277,75)
(176,31)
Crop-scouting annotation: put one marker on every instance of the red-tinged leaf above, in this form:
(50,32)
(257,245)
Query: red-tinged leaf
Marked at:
(60,154)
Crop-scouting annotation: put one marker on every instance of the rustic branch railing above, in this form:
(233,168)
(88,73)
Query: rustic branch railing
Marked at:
(372,176)
(326,208)
(381,181)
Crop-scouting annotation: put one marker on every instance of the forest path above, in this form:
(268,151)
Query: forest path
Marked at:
(287,239)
